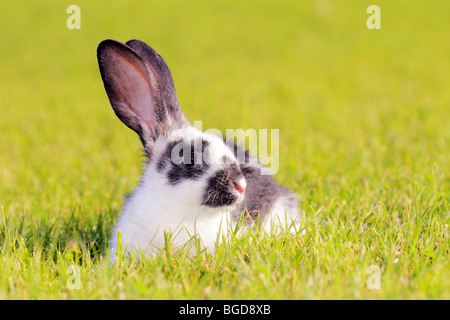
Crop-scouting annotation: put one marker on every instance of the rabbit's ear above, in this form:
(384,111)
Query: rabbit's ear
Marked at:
(133,91)
(163,77)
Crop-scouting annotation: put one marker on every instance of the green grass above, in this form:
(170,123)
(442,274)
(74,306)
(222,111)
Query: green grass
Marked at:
(364,139)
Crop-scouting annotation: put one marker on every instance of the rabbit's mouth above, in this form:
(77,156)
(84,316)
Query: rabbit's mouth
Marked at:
(224,190)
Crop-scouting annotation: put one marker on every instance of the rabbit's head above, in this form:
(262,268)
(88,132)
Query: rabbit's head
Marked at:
(188,165)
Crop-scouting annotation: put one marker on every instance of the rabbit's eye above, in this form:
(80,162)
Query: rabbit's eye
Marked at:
(189,159)
(192,162)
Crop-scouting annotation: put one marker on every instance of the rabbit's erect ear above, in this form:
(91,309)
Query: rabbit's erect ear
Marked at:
(133,91)
(163,77)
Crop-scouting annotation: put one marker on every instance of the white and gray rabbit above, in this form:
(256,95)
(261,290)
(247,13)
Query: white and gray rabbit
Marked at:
(193,183)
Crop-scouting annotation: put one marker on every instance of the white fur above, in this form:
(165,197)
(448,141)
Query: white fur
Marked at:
(282,216)
(152,209)
(155,206)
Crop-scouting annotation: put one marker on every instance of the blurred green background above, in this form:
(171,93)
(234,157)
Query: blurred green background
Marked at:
(345,98)
(363,114)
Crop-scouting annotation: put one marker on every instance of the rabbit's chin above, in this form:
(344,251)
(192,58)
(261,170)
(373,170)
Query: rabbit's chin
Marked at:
(228,207)
(238,199)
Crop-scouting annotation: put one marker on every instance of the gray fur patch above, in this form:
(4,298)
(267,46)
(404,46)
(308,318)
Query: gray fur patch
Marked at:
(192,167)
(219,191)
(261,193)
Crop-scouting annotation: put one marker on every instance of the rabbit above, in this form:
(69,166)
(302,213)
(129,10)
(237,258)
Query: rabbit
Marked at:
(192,183)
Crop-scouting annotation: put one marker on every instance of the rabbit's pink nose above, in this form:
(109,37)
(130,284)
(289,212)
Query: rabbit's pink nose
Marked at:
(239,188)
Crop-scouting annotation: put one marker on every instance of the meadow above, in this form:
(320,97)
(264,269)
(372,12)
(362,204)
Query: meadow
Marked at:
(363,118)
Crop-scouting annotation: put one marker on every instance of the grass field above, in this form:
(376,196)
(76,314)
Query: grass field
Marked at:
(364,141)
